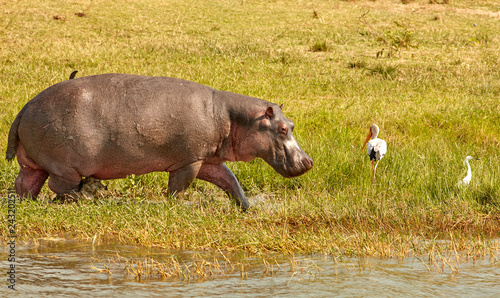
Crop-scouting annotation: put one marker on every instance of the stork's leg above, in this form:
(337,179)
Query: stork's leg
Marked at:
(374,169)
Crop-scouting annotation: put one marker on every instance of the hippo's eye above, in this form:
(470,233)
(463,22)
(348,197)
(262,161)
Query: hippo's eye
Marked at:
(283,129)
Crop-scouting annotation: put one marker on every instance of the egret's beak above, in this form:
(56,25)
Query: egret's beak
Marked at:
(367,139)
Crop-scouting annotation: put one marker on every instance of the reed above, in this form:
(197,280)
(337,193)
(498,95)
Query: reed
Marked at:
(199,268)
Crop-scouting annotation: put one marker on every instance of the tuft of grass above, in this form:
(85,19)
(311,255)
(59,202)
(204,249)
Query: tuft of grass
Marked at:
(393,39)
(320,46)
(386,71)
(357,64)
(439,2)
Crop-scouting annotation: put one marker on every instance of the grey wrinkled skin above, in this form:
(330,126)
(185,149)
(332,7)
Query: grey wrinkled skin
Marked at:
(112,125)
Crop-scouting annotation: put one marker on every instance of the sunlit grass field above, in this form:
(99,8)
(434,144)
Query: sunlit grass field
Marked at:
(427,72)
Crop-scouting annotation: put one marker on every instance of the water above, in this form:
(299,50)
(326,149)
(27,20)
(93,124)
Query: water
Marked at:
(64,268)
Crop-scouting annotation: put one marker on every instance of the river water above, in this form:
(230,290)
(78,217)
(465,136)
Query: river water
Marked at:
(58,267)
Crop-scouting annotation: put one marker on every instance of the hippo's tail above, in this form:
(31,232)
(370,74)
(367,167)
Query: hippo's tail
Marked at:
(13,139)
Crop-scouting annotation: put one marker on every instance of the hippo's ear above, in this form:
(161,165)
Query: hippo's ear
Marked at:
(269,112)
(281,106)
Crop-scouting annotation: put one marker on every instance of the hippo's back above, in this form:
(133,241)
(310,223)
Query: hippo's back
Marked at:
(119,121)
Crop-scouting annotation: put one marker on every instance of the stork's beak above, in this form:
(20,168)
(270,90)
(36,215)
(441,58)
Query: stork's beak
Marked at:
(367,138)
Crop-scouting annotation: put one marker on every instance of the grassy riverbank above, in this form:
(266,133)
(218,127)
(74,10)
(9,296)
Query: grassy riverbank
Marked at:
(427,74)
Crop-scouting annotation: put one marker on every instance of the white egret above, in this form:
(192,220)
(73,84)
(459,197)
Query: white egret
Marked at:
(376,147)
(467,178)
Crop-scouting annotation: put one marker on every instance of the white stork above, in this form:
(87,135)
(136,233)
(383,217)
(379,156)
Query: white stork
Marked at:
(376,147)
(467,178)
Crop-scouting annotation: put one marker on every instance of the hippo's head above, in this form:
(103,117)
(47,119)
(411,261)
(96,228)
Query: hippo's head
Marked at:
(269,135)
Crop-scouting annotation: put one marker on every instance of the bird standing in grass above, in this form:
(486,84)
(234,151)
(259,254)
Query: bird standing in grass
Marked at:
(467,178)
(376,147)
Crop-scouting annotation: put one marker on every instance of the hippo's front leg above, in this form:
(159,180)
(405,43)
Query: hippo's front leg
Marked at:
(180,179)
(222,176)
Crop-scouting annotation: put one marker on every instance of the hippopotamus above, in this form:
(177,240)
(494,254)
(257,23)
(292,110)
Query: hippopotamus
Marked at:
(109,126)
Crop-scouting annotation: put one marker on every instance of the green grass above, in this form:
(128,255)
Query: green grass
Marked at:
(423,72)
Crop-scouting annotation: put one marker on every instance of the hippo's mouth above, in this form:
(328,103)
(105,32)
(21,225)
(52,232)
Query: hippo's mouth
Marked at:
(293,164)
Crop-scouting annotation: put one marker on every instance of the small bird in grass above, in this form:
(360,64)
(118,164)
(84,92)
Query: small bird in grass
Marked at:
(376,147)
(467,178)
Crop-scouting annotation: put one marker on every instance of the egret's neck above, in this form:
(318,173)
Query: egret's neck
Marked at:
(469,172)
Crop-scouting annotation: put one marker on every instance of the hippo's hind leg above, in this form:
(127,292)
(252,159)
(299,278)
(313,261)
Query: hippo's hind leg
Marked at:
(30,181)
(222,176)
(65,186)
(31,177)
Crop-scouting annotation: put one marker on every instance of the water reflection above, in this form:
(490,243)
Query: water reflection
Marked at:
(64,268)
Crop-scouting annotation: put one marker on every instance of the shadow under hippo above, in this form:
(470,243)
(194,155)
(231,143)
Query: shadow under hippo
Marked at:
(112,125)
